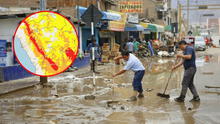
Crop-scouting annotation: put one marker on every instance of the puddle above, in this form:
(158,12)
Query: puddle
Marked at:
(200,62)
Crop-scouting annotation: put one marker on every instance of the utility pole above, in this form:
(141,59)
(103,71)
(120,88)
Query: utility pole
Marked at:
(92,40)
(179,18)
(42,5)
(187,15)
(98,4)
(79,29)
(43,80)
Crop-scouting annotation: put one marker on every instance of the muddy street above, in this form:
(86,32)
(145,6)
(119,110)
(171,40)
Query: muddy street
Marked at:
(87,98)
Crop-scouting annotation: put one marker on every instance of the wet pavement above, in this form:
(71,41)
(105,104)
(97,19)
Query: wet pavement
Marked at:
(63,100)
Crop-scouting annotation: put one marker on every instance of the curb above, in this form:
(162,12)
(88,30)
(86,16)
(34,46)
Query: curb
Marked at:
(13,86)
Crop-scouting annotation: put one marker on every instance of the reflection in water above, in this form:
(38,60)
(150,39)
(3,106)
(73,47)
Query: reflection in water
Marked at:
(139,117)
(138,114)
(200,61)
(188,112)
(53,90)
(218,59)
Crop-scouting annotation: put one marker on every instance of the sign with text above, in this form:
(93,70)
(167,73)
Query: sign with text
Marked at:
(133,18)
(131,6)
(118,25)
(3,52)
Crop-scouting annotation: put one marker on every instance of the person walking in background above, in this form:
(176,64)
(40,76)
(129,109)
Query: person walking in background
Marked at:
(134,64)
(211,42)
(136,45)
(188,61)
(95,46)
(150,47)
(130,46)
(123,44)
(207,42)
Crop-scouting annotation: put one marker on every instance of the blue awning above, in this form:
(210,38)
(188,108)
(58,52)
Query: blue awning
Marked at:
(106,15)
(134,27)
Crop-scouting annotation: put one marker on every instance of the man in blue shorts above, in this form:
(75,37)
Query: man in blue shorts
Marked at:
(189,62)
(134,64)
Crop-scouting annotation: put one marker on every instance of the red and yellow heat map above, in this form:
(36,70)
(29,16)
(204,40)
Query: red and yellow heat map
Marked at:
(50,42)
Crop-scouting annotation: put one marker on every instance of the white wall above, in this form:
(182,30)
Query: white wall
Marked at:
(7,29)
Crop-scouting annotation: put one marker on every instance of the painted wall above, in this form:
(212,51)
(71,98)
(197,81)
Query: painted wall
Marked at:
(7,29)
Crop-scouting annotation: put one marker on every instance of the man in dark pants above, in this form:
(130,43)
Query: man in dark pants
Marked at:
(188,61)
(134,64)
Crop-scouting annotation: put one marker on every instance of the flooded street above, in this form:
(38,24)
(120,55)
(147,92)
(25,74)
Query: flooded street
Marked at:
(87,98)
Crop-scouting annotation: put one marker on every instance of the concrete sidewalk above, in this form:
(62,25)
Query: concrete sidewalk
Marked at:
(14,85)
(10,86)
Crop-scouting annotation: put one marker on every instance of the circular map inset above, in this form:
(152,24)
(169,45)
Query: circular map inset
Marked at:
(45,43)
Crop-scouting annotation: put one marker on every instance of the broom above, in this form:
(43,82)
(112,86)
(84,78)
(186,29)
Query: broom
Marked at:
(163,94)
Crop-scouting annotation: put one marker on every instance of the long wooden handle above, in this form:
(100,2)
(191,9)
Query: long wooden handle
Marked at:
(168,82)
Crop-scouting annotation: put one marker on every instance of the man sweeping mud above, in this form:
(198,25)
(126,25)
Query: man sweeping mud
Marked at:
(134,64)
(188,61)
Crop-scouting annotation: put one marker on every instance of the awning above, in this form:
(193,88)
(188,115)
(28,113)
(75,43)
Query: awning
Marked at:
(156,28)
(168,28)
(106,15)
(153,27)
(134,27)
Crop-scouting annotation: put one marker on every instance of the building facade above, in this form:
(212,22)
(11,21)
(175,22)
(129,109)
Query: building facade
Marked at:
(13,11)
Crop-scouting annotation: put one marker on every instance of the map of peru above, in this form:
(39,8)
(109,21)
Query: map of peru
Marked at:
(45,43)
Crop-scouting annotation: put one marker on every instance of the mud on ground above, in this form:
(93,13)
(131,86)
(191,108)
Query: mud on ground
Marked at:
(63,100)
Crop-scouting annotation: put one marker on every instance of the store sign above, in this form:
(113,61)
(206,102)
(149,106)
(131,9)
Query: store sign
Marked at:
(131,6)
(133,18)
(3,53)
(2,61)
(118,25)
(111,16)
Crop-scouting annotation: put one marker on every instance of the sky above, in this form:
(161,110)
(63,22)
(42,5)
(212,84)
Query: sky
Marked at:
(196,15)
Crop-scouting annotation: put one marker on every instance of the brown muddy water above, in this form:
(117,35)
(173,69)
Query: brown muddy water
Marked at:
(63,101)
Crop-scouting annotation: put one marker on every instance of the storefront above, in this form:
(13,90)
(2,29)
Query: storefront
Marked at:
(132,26)
(115,30)
(155,31)
(135,30)
(86,31)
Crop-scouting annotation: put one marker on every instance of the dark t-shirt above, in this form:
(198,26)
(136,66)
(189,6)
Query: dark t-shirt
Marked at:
(190,62)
